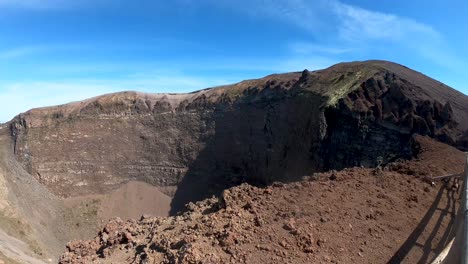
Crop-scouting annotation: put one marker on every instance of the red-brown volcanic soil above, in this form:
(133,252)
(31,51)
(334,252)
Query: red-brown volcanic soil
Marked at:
(356,215)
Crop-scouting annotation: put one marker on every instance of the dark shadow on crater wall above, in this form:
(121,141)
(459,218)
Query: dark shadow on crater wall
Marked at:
(282,136)
(270,136)
(276,134)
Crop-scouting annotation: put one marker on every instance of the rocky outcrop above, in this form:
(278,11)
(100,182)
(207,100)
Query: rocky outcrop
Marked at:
(382,110)
(281,127)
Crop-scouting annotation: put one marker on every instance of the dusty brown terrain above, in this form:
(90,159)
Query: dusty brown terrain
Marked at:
(357,215)
(128,202)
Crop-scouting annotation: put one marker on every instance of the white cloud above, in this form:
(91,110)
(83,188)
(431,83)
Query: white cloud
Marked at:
(335,17)
(351,28)
(303,13)
(319,16)
(360,24)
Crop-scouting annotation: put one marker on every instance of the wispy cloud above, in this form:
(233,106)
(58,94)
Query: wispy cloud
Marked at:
(356,23)
(333,16)
(306,14)
(319,16)
(21,52)
(350,28)
(303,13)
(36,49)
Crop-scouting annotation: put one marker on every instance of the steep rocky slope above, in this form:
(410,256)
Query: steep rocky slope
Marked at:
(281,127)
(30,217)
(356,215)
(36,224)
(74,166)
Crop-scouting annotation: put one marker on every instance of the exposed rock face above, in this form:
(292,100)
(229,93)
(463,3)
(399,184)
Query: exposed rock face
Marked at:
(281,127)
(378,119)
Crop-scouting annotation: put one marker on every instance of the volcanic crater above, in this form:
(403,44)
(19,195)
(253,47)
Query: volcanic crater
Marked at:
(265,170)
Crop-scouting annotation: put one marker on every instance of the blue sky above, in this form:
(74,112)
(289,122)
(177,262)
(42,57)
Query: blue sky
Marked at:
(57,51)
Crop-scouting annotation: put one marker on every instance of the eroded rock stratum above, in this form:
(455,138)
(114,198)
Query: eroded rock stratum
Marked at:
(281,127)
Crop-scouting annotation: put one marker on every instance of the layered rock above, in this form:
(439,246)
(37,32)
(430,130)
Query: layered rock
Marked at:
(281,127)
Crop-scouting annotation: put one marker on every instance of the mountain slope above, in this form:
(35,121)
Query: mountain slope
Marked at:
(280,127)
